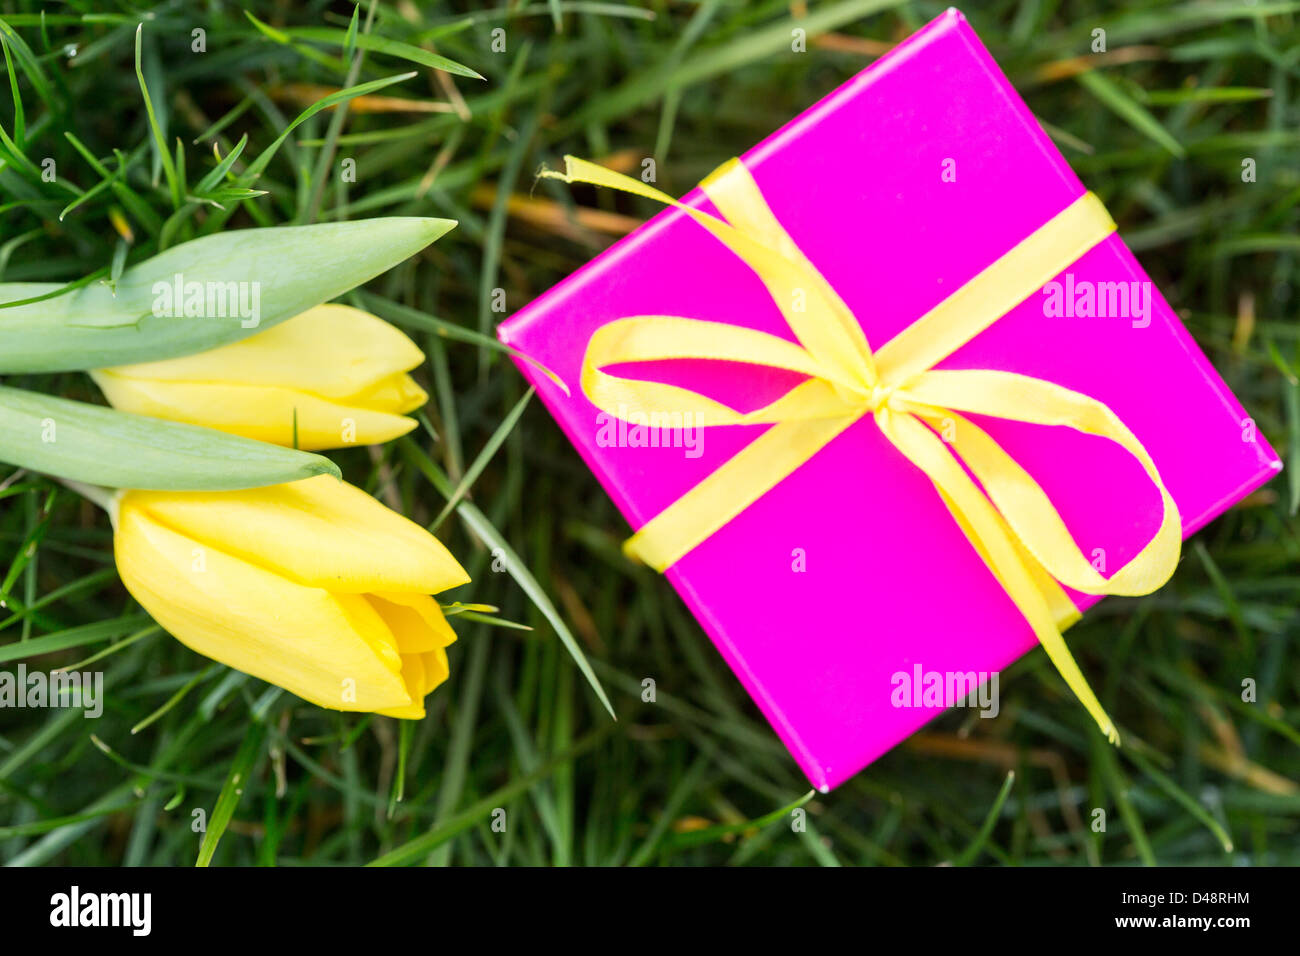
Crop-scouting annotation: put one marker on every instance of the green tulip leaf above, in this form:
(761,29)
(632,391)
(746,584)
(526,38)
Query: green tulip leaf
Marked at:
(200,294)
(102,446)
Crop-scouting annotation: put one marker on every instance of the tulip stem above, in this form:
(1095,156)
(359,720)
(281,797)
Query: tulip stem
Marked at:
(106,498)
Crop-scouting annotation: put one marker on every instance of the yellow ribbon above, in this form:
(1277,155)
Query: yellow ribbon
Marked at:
(1011,522)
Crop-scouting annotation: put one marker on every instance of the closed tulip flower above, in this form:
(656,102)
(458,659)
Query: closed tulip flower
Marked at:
(335,373)
(313,585)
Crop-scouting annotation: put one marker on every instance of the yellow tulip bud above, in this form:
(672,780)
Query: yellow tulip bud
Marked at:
(313,585)
(340,371)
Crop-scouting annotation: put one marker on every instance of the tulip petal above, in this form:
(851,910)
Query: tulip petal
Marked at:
(262,412)
(397,394)
(334,351)
(415,620)
(300,638)
(372,629)
(435,669)
(407,712)
(413,675)
(321,533)
(423,673)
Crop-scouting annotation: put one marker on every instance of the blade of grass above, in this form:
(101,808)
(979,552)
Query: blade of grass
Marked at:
(1165,783)
(692,838)
(160,143)
(72,637)
(231,792)
(1134,113)
(374,44)
(489,449)
(972,852)
(424,844)
(410,318)
(175,699)
(1103,756)
(483,529)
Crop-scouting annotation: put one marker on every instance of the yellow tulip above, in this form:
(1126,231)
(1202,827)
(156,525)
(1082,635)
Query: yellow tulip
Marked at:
(340,371)
(313,585)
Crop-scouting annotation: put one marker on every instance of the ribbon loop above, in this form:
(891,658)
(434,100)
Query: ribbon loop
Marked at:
(1007,517)
(1021,500)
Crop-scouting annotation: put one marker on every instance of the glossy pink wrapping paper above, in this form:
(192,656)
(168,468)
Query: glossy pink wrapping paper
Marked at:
(890,581)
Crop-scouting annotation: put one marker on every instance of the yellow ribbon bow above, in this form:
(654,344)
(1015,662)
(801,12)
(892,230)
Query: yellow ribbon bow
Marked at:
(1011,522)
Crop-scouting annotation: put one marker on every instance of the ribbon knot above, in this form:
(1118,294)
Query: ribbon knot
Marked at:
(881,398)
(1007,517)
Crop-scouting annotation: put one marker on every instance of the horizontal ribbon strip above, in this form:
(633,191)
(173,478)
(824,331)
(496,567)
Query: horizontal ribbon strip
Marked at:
(1010,521)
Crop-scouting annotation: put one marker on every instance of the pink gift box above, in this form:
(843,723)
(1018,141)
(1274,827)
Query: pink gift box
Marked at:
(851,570)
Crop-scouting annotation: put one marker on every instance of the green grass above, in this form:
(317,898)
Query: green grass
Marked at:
(1159,127)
